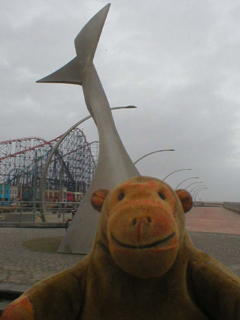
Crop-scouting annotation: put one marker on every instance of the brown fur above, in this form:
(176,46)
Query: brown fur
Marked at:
(143,265)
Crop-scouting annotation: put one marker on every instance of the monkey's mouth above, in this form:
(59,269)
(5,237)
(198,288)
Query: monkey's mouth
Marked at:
(146,246)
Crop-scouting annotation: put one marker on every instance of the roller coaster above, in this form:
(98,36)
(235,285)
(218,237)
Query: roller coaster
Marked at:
(73,165)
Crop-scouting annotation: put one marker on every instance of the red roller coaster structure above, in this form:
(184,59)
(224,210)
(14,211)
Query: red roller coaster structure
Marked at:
(23,159)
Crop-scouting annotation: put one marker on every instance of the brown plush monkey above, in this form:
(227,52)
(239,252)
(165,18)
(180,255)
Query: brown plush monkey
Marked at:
(143,265)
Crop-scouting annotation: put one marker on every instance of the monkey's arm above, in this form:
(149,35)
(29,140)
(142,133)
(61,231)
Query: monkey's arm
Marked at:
(215,288)
(57,297)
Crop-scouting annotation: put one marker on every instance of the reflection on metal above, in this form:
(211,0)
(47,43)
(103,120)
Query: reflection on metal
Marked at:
(148,154)
(114,164)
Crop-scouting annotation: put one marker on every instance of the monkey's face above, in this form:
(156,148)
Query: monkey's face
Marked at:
(144,222)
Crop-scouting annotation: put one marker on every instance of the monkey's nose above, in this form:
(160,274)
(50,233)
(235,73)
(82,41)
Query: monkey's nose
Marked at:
(142,220)
(142,227)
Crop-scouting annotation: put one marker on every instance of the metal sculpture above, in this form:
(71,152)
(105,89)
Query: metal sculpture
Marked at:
(148,154)
(184,181)
(114,164)
(197,192)
(42,187)
(173,173)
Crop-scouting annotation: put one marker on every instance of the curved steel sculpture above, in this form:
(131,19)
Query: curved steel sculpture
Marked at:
(185,180)
(148,154)
(193,184)
(198,193)
(42,188)
(114,164)
(202,185)
(173,173)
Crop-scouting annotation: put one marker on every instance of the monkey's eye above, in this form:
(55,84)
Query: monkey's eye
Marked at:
(121,196)
(161,195)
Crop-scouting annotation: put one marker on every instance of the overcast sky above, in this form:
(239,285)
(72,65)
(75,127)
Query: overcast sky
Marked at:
(177,61)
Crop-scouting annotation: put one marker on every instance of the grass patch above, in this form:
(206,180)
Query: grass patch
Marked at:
(44,245)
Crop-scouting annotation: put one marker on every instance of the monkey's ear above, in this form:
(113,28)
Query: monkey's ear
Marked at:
(98,198)
(185,199)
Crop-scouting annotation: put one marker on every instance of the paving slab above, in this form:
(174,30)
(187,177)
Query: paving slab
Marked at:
(213,219)
(19,265)
(215,231)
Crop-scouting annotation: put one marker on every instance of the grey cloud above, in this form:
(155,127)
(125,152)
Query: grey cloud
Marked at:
(177,61)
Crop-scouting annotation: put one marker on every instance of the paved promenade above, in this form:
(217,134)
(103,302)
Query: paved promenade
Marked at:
(213,230)
(216,231)
(215,219)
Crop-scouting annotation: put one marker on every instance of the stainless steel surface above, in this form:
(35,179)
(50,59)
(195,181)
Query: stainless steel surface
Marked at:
(114,164)
(202,185)
(186,180)
(193,184)
(148,154)
(198,193)
(42,188)
(174,172)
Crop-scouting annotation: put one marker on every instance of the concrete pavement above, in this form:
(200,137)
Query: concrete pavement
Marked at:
(215,231)
(20,265)
(213,219)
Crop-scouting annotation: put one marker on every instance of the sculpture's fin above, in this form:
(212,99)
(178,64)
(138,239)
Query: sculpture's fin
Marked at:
(67,74)
(87,40)
(85,45)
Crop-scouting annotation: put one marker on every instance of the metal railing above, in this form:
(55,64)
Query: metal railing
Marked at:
(31,211)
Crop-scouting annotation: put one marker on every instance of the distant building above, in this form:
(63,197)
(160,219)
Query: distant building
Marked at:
(53,195)
(4,192)
(78,196)
(13,193)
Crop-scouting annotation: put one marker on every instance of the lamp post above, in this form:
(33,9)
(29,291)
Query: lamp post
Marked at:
(148,154)
(174,172)
(186,180)
(42,194)
(198,193)
(202,185)
(193,184)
